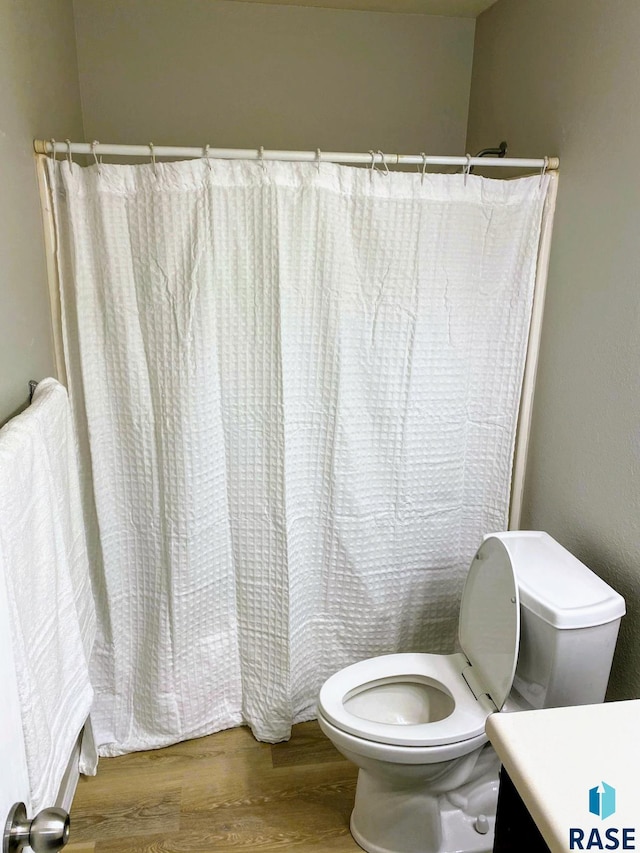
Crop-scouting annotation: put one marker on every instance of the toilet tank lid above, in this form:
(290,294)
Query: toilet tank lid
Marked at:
(555,585)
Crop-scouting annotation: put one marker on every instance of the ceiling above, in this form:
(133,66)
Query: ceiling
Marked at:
(450,8)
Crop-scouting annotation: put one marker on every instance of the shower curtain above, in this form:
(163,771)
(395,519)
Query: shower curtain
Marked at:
(296,390)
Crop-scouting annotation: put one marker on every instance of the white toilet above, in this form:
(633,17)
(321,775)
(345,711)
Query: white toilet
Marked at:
(537,629)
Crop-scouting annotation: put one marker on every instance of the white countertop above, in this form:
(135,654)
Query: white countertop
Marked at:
(555,756)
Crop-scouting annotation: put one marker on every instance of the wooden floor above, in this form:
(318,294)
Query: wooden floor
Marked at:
(221,793)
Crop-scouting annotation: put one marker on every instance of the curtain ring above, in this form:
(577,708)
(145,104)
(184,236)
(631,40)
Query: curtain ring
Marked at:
(467,168)
(318,159)
(52,153)
(95,156)
(261,157)
(543,171)
(69,157)
(206,156)
(153,159)
(384,162)
(373,162)
(424,166)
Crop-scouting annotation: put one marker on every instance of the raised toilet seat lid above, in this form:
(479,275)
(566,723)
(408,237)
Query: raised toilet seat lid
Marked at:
(435,685)
(423,699)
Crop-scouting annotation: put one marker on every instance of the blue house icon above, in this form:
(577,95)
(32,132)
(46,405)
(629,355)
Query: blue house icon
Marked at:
(602,800)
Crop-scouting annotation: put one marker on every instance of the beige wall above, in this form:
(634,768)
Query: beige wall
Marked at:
(192,72)
(563,78)
(39,96)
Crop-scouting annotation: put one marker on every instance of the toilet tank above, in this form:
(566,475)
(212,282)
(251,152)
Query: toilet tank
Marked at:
(569,620)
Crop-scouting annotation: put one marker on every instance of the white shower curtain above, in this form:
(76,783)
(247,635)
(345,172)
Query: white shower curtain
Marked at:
(298,389)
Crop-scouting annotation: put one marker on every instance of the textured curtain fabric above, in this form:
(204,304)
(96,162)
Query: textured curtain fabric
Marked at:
(298,392)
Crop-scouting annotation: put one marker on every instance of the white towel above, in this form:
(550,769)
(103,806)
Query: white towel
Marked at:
(45,566)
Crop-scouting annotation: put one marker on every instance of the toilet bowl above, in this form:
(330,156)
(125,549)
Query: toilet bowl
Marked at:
(414,723)
(411,799)
(416,731)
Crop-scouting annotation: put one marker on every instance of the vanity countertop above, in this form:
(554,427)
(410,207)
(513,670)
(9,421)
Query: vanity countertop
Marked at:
(556,756)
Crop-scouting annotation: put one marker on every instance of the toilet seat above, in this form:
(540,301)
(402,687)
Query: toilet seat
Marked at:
(450,707)
(444,672)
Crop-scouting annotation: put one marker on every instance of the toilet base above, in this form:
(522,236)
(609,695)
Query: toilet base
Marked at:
(411,818)
(458,835)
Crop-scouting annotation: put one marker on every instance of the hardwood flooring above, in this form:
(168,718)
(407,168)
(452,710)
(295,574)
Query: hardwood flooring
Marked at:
(221,793)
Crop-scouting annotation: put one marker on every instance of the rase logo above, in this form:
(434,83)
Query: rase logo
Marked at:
(602,802)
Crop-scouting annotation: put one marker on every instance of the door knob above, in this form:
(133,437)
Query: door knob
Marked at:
(48,831)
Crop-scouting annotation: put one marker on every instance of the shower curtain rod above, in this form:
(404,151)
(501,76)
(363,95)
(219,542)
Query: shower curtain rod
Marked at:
(377,158)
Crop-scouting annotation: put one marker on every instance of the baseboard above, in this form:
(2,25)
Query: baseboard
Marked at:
(69,782)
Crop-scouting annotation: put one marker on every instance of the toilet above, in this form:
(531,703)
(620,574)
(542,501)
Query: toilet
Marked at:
(537,629)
